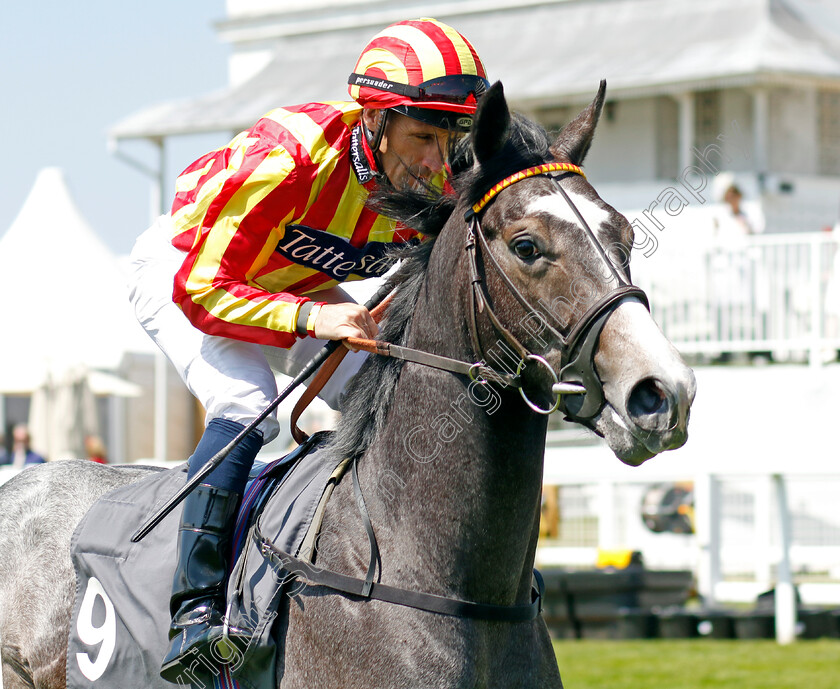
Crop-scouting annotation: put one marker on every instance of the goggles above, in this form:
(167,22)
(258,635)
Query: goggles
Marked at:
(456,88)
(455,122)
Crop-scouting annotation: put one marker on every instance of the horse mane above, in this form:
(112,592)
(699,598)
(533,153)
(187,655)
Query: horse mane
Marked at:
(367,399)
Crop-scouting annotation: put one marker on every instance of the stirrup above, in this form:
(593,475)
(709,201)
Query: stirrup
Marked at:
(201,650)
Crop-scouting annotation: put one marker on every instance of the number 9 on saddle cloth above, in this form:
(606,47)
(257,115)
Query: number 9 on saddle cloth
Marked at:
(118,631)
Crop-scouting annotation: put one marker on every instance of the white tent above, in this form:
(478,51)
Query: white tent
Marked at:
(64,296)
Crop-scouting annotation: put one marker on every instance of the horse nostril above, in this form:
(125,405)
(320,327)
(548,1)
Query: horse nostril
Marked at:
(647,399)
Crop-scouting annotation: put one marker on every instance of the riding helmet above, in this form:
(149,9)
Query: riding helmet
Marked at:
(421,68)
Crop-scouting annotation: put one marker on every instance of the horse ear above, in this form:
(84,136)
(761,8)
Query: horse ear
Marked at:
(574,141)
(491,124)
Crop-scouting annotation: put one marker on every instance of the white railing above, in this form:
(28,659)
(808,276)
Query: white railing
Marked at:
(737,546)
(778,293)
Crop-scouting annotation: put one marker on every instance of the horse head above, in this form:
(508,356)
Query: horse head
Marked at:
(556,265)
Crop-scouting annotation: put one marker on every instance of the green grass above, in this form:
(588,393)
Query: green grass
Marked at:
(692,664)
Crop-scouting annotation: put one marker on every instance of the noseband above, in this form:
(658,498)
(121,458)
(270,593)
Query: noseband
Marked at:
(578,346)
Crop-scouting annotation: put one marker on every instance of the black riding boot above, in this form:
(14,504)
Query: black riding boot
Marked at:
(198,590)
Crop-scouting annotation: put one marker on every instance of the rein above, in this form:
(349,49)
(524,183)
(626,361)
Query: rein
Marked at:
(477,371)
(578,345)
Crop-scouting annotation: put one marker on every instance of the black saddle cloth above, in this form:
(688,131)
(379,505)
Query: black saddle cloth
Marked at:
(119,628)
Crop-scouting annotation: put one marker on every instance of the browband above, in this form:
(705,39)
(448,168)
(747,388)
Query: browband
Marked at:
(516,177)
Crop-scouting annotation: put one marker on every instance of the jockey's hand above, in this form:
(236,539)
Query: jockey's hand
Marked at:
(337,321)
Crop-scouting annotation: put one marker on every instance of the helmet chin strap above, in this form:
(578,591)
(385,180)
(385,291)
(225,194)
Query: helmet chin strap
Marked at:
(374,139)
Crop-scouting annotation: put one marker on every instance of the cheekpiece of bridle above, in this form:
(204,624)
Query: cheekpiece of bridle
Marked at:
(580,341)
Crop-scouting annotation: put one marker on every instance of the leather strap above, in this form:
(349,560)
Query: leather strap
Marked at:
(323,375)
(476,371)
(605,304)
(374,547)
(343,583)
(479,297)
(303,317)
(310,392)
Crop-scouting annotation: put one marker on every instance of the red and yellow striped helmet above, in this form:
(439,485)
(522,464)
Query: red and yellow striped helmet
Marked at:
(422,68)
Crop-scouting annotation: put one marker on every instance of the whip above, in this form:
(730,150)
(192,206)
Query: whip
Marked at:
(219,457)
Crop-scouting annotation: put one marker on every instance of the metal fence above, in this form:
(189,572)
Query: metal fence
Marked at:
(777,293)
(736,545)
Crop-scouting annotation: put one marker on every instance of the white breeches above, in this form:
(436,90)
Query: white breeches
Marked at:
(232,379)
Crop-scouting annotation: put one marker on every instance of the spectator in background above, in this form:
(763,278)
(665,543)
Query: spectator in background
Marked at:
(22,455)
(95,449)
(734,221)
(740,284)
(733,218)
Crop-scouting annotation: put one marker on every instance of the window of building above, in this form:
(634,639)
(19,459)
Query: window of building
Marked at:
(707,119)
(667,138)
(828,132)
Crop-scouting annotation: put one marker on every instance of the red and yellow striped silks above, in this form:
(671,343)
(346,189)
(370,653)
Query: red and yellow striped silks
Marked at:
(275,214)
(411,52)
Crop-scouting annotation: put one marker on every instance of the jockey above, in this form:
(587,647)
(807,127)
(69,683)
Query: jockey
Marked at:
(241,277)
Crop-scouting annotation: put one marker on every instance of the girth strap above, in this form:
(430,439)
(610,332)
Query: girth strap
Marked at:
(312,574)
(374,547)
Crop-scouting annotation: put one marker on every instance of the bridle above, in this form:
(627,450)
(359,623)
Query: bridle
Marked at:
(579,344)
(577,376)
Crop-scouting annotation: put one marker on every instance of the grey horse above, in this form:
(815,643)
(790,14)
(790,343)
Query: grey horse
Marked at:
(463,461)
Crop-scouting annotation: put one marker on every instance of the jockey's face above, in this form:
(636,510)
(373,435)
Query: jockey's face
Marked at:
(411,152)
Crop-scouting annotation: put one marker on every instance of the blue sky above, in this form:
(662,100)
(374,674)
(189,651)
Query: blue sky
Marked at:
(70,70)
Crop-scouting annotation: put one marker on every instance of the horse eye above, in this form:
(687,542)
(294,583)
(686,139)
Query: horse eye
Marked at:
(525,248)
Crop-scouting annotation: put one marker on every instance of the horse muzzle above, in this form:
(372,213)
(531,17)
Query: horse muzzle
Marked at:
(659,410)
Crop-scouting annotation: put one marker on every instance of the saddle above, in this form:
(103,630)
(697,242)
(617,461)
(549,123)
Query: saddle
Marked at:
(120,620)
